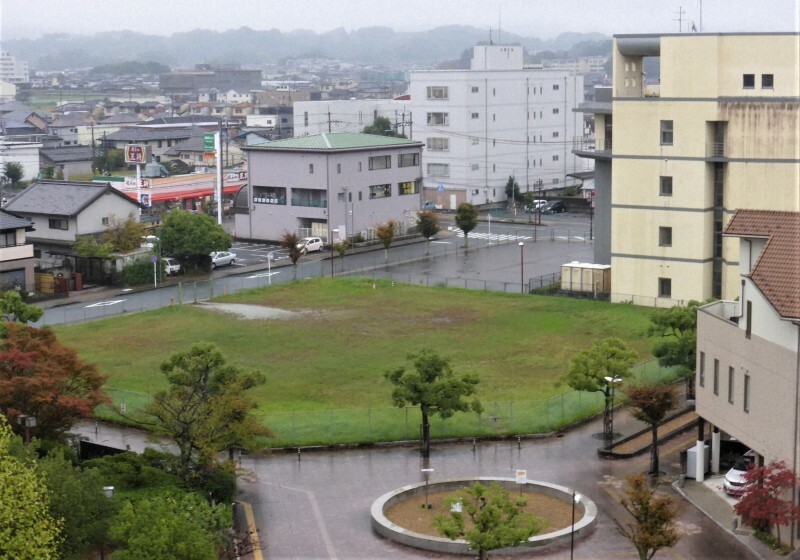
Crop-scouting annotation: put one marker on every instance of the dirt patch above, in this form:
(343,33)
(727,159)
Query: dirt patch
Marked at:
(252,312)
(410,514)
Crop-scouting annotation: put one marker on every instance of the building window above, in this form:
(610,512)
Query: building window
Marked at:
(380,162)
(746,399)
(104,221)
(555,111)
(408,187)
(555,135)
(716,376)
(475,115)
(9,239)
(380,191)
(494,167)
(494,117)
(666,133)
(359,166)
(555,87)
(438,144)
(305,118)
(701,377)
(311,168)
(407,160)
(475,140)
(475,166)
(665,236)
(438,170)
(494,92)
(665,287)
(555,181)
(748,81)
(58,223)
(338,168)
(665,186)
(748,329)
(475,89)
(437,92)
(767,81)
(438,119)
(555,158)
(730,384)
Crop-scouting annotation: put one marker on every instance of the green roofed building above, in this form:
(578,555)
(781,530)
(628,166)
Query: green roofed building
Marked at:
(333,186)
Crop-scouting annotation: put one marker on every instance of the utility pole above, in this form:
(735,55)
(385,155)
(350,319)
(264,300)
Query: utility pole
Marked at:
(679,19)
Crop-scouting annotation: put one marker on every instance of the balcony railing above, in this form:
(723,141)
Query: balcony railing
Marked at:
(716,150)
(727,310)
(309,203)
(591,145)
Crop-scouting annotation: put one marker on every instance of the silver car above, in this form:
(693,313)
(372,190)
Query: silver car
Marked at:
(222,258)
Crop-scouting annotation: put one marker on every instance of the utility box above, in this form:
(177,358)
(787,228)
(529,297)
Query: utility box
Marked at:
(586,277)
(691,460)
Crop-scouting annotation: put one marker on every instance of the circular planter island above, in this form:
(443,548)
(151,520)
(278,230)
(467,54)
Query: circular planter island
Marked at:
(585,514)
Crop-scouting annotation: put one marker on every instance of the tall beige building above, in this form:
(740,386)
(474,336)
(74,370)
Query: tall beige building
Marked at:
(720,132)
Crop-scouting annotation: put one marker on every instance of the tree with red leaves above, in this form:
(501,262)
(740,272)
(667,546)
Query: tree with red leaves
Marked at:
(39,377)
(766,501)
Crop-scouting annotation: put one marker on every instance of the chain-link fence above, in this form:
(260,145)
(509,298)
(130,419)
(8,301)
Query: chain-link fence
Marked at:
(363,425)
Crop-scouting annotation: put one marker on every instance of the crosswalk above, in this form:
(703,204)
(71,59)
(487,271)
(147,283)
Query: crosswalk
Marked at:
(492,236)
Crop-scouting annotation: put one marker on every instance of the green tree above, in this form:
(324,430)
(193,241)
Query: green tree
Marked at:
(466,219)
(653,526)
(206,409)
(386,233)
(650,405)
(382,127)
(497,520)
(170,527)
(76,496)
(289,241)
(124,236)
(434,387)
(763,504)
(512,190)
(341,248)
(27,530)
(191,237)
(89,246)
(677,329)
(610,358)
(428,226)
(14,172)
(13,309)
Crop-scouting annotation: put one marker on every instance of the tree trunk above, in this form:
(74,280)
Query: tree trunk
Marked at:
(427,246)
(483,555)
(654,451)
(426,436)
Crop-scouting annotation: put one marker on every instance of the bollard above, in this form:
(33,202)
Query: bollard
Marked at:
(298,455)
(95,429)
(172,301)
(473,445)
(519,442)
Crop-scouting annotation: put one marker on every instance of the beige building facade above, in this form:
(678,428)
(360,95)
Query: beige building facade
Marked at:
(719,133)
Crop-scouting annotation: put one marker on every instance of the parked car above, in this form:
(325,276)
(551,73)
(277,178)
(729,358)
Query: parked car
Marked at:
(149,241)
(222,258)
(310,244)
(171,266)
(428,205)
(734,483)
(554,207)
(530,208)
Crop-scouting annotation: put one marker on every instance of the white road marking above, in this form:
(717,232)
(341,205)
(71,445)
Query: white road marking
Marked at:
(264,275)
(105,303)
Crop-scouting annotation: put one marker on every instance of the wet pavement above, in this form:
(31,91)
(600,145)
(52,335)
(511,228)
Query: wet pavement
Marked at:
(316,504)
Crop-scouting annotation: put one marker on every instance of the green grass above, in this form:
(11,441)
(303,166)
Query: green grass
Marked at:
(333,355)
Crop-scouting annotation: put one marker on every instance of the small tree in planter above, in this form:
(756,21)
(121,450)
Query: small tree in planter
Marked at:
(653,526)
(650,405)
(428,226)
(386,233)
(289,241)
(497,520)
(341,248)
(466,219)
(762,505)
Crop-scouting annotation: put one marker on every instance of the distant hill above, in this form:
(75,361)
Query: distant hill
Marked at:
(369,45)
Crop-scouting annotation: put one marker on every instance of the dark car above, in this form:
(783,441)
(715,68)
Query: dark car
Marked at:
(554,207)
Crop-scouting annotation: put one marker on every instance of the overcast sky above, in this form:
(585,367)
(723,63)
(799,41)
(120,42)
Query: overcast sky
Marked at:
(545,19)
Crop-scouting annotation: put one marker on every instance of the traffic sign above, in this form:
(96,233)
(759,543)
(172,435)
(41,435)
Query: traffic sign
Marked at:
(440,188)
(208,143)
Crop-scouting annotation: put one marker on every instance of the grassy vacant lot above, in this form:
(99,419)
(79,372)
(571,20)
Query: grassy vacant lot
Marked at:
(346,333)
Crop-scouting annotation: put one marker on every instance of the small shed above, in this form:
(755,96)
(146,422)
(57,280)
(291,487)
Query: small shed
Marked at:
(586,277)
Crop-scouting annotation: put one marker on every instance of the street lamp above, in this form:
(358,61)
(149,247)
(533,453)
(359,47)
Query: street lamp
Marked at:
(609,428)
(27,422)
(269,267)
(521,267)
(575,499)
(426,472)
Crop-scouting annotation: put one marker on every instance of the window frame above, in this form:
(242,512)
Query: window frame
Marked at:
(373,160)
(748,81)
(664,236)
(432,141)
(731,381)
(444,90)
(433,116)
(401,186)
(667,132)
(662,284)
(57,223)
(444,167)
(414,159)
(770,78)
(746,399)
(665,185)
(716,376)
(701,373)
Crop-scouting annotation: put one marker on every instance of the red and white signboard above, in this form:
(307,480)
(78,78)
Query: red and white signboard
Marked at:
(130,182)
(136,153)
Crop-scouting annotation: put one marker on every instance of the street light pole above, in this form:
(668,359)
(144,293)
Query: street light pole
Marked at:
(611,381)
(575,499)
(521,267)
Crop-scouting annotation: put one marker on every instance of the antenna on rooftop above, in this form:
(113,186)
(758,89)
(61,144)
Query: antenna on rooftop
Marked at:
(701,16)
(499,28)
(679,19)
(490,37)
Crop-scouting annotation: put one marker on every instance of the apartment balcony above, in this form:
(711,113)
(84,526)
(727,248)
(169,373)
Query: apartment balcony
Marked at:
(726,310)
(651,90)
(589,148)
(16,252)
(309,203)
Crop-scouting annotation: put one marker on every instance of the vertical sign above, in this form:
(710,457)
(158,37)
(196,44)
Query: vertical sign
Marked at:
(135,153)
(208,143)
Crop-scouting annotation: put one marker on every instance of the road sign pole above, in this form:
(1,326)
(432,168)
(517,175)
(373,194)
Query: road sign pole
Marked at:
(139,186)
(218,150)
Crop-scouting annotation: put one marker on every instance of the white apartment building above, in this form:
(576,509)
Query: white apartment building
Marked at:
(718,134)
(495,120)
(350,115)
(13,70)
